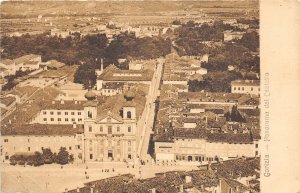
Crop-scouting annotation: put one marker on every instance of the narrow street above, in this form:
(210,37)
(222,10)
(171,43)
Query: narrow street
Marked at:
(150,112)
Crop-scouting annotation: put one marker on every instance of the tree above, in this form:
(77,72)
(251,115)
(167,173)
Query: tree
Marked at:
(176,22)
(62,156)
(235,115)
(48,156)
(13,160)
(250,40)
(38,159)
(217,81)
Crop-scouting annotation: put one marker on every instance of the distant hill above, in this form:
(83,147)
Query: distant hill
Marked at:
(35,8)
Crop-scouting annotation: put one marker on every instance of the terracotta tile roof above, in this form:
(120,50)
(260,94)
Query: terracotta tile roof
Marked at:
(191,133)
(236,186)
(245,83)
(20,91)
(209,96)
(31,63)
(7,100)
(109,74)
(230,138)
(26,58)
(63,105)
(25,112)
(3,111)
(41,129)
(114,104)
(54,64)
(233,169)
(113,85)
(7,61)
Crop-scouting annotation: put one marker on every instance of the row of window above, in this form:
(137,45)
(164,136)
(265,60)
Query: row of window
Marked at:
(242,88)
(66,119)
(110,155)
(59,113)
(109,143)
(42,148)
(195,158)
(44,139)
(110,129)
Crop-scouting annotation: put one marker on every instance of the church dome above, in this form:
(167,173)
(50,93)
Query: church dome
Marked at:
(90,95)
(129,95)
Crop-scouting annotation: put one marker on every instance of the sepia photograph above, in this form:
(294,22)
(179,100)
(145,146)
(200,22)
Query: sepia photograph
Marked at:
(131,97)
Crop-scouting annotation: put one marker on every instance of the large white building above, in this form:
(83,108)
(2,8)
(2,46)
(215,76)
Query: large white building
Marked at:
(112,74)
(246,86)
(112,128)
(61,112)
(198,145)
(29,138)
(102,129)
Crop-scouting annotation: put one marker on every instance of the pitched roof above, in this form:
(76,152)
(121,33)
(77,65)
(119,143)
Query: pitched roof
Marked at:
(54,64)
(112,73)
(233,169)
(41,129)
(114,104)
(26,58)
(62,105)
(7,61)
(245,83)
(7,100)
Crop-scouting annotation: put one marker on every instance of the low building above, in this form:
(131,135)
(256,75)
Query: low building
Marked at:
(9,103)
(29,138)
(28,62)
(232,35)
(111,128)
(54,64)
(112,74)
(8,67)
(246,86)
(112,88)
(59,33)
(60,112)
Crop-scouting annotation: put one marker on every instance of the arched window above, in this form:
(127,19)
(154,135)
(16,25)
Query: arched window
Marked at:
(128,114)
